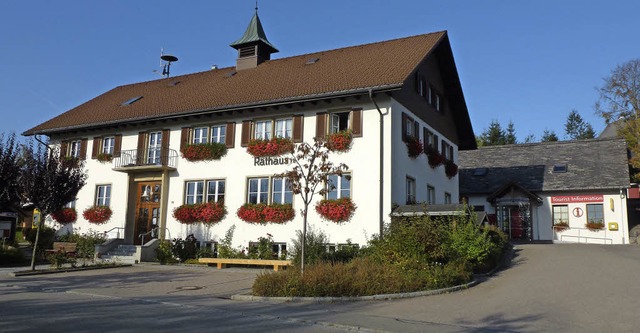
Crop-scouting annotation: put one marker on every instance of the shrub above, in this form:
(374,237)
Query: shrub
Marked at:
(225,248)
(204,151)
(184,249)
(205,252)
(315,247)
(65,215)
(85,243)
(97,214)
(470,243)
(10,255)
(45,241)
(336,210)
(340,142)
(59,258)
(264,249)
(164,253)
(273,147)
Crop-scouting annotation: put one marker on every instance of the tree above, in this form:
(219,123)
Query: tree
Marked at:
(493,136)
(531,138)
(308,177)
(548,136)
(9,172)
(510,135)
(577,128)
(620,102)
(48,182)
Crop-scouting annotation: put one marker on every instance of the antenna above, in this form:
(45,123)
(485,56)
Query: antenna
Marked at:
(165,63)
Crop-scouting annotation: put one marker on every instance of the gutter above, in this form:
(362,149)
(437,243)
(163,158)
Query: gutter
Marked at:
(381,167)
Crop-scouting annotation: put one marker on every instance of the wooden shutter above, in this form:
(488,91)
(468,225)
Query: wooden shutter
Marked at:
(404,126)
(246,133)
(230,138)
(416,130)
(164,155)
(298,123)
(321,124)
(451,152)
(416,82)
(63,148)
(425,137)
(184,138)
(117,145)
(140,154)
(356,122)
(83,149)
(435,142)
(96,147)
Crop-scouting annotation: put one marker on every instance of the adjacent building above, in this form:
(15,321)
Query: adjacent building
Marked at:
(567,191)
(387,93)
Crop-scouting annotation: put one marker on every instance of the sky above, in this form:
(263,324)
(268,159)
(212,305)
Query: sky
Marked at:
(529,62)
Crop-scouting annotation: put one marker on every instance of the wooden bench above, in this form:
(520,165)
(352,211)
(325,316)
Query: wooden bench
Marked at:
(222,262)
(66,247)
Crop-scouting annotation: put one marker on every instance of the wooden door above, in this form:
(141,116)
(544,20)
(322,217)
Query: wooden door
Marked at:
(147,211)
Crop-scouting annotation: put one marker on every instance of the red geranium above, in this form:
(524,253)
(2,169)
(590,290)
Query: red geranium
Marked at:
(414,147)
(211,212)
(65,215)
(97,214)
(340,141)
(273,147)
(261,213)
(336,210)
(434,157)
(450,169)
(204,151)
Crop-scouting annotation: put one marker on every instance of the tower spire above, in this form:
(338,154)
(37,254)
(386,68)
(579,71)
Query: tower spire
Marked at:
(253,47)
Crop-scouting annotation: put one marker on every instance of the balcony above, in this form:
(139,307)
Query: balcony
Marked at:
(140,160)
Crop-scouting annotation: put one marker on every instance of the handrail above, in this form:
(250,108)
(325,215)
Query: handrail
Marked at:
(142,235)
(114,228)
(147,157)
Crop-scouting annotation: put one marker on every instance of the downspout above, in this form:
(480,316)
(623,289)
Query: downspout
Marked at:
(381,167)
(41,142)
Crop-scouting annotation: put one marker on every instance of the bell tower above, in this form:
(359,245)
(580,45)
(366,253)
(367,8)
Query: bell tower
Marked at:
(253,47)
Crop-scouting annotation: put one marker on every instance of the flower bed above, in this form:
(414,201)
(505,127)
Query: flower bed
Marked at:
(262,213)
(434,158)
(208,213)
(97,214)
(336,210)
(273,147)
(414,147)
(65,215)
(102,157)
(561,226)
(204,151)
(450,169)
(340,142)
(594,226)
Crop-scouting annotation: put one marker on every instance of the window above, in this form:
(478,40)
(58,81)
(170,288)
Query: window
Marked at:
(431,195)
(258,190)
(560,214)
(339,122)
(411,191)
(281,191)
(339,186)
(195,191)
(410,127)
(108,144)
(560,168)
(103,195)
(200,135)
(595,213)
(437,102)
(70,204)
(430,96)
(74,148)
(447,150)
(155,148)
(429,138)
(219,133)
(447,198)
(284,128)
(262,130)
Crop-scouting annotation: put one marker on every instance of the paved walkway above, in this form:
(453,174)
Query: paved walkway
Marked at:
(569,288)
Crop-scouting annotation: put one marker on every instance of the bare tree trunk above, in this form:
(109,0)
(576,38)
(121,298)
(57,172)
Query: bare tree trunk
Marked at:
(35,246)
(304,237)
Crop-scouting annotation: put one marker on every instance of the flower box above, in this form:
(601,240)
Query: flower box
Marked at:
(208,213)
(414,147)
(561,226)
(450,169)
(336,210)
(262,213)
(102,157)
(97,214)
(434,158)
(65,215)
(594,226)
(204,151)
(340,142)
(269,148)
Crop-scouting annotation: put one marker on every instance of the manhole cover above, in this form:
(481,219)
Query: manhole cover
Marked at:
(189,288)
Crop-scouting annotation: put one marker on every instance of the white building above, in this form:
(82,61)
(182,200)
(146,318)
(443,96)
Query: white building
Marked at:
(382,92)
(550,191)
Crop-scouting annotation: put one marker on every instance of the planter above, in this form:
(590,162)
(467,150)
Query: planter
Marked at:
(208,213)
(262,213)
(104,157)
(270,148)
(450,169)
(561,226)
(594,226)
(340,142)
(97,214)
(65,215)
(414,147)
(204,151)
(434,158)
(336,210)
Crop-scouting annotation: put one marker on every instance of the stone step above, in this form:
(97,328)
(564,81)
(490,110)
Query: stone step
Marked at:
(119,259)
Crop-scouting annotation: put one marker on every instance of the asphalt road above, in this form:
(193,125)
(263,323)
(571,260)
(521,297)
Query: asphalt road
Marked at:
(569,288)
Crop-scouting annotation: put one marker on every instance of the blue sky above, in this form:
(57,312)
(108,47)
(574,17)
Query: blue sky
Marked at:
(530,62)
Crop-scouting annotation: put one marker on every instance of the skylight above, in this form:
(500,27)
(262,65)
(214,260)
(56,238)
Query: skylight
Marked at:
(559,168)
(479,172)
(131,101)
(312,61)
(230,74)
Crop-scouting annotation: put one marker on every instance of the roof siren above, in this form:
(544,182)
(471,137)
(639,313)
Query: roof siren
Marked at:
(165,63)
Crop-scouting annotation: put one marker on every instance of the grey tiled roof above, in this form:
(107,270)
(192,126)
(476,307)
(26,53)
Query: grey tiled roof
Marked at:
(591,165)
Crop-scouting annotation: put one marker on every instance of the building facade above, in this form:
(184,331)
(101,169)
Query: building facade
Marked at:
(133,138)
(568,191)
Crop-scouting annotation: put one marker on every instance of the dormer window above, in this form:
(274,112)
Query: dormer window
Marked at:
(559,168)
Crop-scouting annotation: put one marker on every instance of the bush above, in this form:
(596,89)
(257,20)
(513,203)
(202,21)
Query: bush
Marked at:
(314,250)
(59,258)
(86,243)
(264,249)
(164,253)
(45,241)
(205,252)
(10,255)
(225,249)
(184,249)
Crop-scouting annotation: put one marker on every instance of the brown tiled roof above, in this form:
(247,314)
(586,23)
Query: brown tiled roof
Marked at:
(351,69)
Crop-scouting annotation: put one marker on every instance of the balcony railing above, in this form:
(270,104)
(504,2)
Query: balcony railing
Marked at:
(150,157)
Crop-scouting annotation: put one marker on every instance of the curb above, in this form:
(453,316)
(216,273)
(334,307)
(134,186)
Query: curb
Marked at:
(65,270)
(379,297)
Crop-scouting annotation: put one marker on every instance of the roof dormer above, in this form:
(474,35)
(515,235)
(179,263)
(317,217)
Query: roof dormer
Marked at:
(253,47)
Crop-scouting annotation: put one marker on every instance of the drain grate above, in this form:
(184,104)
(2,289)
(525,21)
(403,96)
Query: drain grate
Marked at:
(189,288)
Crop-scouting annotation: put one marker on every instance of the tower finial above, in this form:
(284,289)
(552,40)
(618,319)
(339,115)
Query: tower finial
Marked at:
(256,6)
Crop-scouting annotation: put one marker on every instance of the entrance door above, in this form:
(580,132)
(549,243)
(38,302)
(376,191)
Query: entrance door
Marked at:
(155,148)
(515,221)
(147,211)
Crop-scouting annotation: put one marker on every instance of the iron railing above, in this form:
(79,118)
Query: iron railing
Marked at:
(146,157)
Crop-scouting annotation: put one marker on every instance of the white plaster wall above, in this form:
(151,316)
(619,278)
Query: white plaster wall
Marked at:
(418,168)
